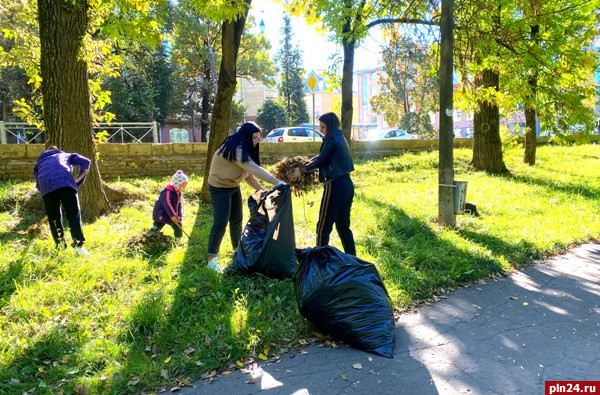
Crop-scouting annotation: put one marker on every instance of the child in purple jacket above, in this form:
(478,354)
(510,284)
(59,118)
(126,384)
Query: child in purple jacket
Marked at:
(168,209)
(57,184)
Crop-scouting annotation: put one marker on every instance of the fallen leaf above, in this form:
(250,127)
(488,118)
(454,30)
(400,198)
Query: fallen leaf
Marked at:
(133,381)
(164,373)
(239,364)
(514,298)
(357,366)
(227,372)
(343,376)
(525,304)
(189,350)
(262,356)
(175,389)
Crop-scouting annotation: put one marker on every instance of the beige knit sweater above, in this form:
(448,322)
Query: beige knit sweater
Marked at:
(226,174)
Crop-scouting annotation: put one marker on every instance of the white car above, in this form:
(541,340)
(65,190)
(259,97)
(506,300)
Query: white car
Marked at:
(298,134)
(395,134)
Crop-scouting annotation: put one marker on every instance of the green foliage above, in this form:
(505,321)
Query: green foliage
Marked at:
(409,84)
(559,56)
(271,115)
(127,320)
(291,72)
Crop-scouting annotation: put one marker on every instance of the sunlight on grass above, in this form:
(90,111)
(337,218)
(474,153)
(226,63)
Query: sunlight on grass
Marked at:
(135,317)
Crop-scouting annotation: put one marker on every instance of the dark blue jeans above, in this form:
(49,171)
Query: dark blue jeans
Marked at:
(70,202)
(227,208)
(335,209)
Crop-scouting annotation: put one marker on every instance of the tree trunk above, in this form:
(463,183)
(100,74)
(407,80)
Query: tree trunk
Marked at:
(446,215)
(347,79)
(231,38)
(66,99)
(487,145)
(205,106)
(530,134)
(530,111)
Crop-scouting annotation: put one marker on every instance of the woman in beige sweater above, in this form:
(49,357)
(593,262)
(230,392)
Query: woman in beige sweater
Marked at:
(236,160)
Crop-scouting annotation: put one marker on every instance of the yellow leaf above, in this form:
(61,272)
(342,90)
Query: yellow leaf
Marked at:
(262,356)
(239,364)
(168,359)
(343,376)
(227,372)
(267,349)
(525,304)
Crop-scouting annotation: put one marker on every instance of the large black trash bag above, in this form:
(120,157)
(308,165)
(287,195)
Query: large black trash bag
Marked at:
(344,296)
(268,242)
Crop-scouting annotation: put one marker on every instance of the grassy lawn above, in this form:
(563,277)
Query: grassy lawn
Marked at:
(131,319)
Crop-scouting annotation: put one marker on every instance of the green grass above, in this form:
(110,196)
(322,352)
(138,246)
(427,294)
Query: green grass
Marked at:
(127,320)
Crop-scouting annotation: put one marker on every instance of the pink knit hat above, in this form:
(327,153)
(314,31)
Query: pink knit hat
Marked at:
(179,178)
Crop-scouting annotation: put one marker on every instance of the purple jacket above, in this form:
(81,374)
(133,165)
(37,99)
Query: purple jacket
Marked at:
(169,204)
(54,170)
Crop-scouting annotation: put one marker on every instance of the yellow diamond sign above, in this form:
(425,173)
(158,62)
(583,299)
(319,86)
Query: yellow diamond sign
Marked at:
(311,82)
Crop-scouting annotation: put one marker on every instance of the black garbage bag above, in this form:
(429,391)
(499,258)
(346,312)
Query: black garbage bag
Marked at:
(268,243)
(344,296)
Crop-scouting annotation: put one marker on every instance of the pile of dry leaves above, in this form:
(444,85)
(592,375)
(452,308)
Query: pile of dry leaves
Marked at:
(285,170)
(151,243)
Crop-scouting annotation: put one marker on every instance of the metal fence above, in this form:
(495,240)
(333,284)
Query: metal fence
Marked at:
(124,132)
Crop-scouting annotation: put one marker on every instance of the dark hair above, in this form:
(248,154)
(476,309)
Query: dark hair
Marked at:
(331,121)
(243,138)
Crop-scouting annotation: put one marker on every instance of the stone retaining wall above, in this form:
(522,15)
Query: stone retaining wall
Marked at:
(144,160)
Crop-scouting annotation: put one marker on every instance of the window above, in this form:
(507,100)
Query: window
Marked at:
(297,132)
(178,135)
(364,91)
(391,133)
(373,90)
(275,133)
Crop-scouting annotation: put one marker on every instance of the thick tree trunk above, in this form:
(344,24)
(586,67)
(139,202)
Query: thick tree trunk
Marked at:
(231,38)
(487,145)
(67,117)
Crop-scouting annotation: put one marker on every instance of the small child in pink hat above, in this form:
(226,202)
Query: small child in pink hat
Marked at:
(168,209)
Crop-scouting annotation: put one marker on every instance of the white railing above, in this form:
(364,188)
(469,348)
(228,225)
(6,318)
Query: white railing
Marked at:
(123,132)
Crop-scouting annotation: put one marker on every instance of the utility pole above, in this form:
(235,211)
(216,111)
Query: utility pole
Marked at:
(446,186)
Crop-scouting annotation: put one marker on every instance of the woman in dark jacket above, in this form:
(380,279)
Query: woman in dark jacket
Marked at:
(54,179)
(335,164)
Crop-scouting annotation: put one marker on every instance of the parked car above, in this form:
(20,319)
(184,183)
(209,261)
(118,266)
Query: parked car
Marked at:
(395,134)
(296,134)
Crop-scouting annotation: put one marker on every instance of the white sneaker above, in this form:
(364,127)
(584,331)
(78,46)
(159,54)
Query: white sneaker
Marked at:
(82,251)
(213,264)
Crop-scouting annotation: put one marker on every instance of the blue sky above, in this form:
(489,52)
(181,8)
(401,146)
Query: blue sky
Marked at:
(315,49)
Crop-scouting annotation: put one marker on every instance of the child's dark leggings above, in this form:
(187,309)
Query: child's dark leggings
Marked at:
(70,202)
(335,209)
(177,232)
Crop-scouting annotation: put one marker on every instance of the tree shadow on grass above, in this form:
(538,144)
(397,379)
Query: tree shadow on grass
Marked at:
(50,364)
(205,320)
(578,189)
(409,249)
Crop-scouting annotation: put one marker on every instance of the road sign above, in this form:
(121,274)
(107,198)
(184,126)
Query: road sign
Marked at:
(312,81)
